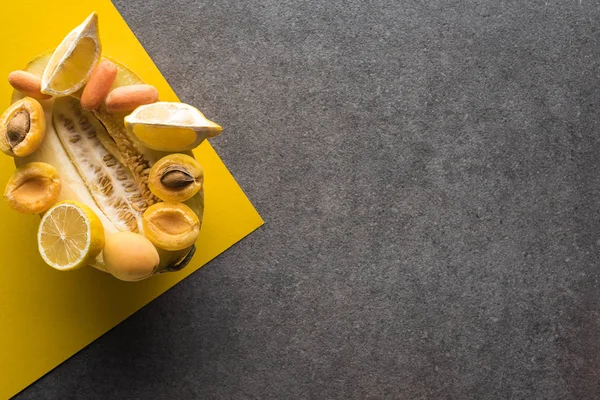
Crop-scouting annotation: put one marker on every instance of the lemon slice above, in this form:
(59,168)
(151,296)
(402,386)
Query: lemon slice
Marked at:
(73,60)
(70,236)
(168,126)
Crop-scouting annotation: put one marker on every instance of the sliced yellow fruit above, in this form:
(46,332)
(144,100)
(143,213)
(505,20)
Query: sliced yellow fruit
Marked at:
(73,60)
(166,126)
(33,188)
(171,226)
(70,236)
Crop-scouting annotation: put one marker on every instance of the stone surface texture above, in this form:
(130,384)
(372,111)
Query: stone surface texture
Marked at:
(429,176)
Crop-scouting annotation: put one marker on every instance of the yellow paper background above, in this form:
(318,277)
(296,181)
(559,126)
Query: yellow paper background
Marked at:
(45,315)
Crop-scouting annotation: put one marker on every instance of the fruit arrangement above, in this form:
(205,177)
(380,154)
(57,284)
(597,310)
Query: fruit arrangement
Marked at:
(106,164)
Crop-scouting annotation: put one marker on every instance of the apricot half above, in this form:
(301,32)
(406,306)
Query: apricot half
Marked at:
(22,128)
(33,188)
(171,226)
(176,178)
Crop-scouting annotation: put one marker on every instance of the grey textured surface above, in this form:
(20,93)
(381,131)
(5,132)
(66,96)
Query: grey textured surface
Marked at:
(428,173)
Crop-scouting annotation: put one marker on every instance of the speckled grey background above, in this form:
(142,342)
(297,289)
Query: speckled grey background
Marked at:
(428,173)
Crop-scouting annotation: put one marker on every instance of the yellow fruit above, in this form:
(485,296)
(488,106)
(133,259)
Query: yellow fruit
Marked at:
(130,256)
(70,236)
(74,151)
(165,126)
(171,226)
(22,128)
(33,188)
(176,178)
(73,60)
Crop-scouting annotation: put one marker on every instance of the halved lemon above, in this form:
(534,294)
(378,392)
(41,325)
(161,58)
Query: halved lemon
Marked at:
(70,236)
(73,60)
(166,126)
